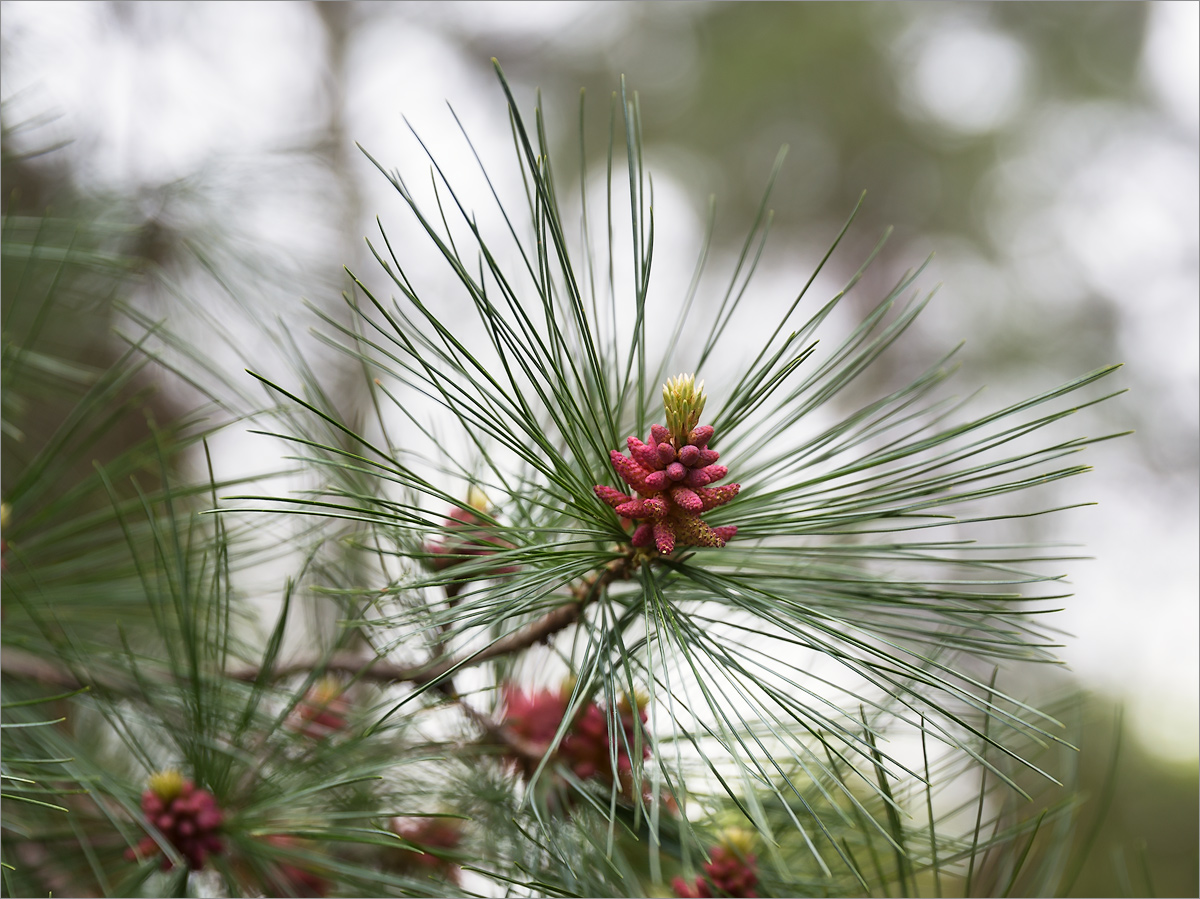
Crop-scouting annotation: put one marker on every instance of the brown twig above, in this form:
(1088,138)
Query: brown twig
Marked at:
(17,663)
(537,632)
(21,664)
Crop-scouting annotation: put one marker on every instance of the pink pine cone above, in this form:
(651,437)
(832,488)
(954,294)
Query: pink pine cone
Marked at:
(438,834)
(611,495)
(671,490)
(466,535)
(643,535)
(534,719)
(322,712)
(190,821)
(729,874)
(290,878)
(587,746)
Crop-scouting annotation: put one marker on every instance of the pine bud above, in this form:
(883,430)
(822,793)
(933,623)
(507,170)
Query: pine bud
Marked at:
(683,401)
(166,785)
(188,817)
(322,712)
(731,871)
(532,721)
(587,746)
(465,536)
(671,476)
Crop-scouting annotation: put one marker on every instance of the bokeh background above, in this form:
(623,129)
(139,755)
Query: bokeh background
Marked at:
(1046,152)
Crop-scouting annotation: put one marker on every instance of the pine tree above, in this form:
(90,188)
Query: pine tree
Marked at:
(611,622)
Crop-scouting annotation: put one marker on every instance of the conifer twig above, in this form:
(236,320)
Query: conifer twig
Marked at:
(18,664)
(538,631)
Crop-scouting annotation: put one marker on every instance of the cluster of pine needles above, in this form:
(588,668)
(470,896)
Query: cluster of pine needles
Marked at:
(480,676)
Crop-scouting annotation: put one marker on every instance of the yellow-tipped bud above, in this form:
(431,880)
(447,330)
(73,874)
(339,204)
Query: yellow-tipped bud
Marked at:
(738,840)
(683,400)
(166,785)
(5,509)
(478,500)
(639,701)
(325,691)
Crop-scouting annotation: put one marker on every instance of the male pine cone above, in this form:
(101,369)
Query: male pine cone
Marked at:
(670,474)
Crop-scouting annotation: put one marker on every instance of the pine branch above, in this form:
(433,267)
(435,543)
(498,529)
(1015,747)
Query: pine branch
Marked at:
(748,661)
(426,672)
(16,663)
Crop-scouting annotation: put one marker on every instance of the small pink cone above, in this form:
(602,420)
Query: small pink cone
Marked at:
(643,535)
(687,499)
(635,508)
(645,455)
(610,495)
(664,537)
(655,482)
(694,532)
(717,496)
(657,507)
(699,477)
(632,473)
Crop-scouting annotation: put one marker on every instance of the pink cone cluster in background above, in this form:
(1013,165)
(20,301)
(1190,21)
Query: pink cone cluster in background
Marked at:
(187,816)
(438,834)
(322,712)
(671,476)
(291,879)
(586,748)
(466,535)
(729,873)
